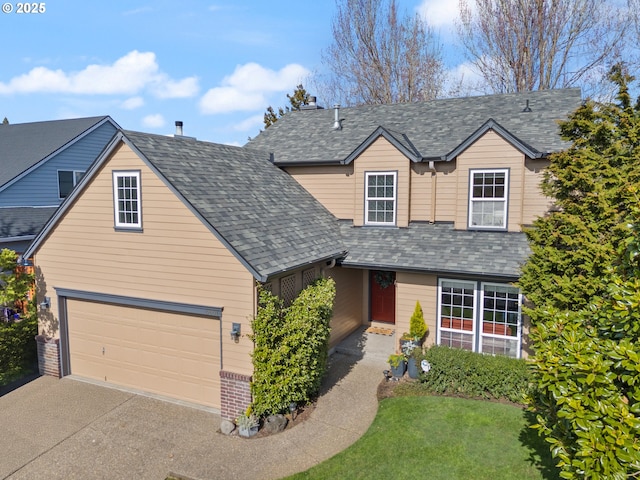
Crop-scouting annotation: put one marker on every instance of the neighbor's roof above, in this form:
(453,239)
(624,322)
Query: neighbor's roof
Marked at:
(259,212)
(18,222)
(437,249)
(433,130)
(23,145)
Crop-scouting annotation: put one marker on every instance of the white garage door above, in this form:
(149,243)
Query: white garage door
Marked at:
(171,354)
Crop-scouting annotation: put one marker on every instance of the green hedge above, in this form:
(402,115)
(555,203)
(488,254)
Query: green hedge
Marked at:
(461,372)
(291,347)
(18,351)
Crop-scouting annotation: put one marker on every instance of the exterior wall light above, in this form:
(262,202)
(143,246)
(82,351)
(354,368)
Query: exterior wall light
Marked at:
(46,303)
(235,332)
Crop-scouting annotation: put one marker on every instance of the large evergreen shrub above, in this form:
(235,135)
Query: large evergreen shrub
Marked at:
(584,279)
(291,347)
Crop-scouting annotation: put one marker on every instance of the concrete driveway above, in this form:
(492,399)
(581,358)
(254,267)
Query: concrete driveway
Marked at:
(70,429)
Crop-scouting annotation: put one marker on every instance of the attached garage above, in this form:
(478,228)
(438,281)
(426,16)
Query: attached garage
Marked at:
(163,348)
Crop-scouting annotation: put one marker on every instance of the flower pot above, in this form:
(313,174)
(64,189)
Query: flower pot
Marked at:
(412,368)
(247,431)
(399,370)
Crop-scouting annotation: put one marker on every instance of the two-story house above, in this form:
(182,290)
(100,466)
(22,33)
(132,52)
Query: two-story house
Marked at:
(432,199)
(40,163)
(148,272)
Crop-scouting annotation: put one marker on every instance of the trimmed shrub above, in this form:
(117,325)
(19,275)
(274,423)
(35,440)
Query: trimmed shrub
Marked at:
(417,328)
(291,347)
(464,373)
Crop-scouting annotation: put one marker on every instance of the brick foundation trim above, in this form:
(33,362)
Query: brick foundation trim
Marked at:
(48,355)
(235,394)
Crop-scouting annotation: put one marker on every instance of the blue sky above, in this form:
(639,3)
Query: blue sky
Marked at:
(216,65)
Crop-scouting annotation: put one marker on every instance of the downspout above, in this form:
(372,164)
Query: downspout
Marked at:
(432,169)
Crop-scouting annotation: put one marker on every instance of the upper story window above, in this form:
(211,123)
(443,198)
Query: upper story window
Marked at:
(126,196)
(380,198)
(67,179)
(488,193)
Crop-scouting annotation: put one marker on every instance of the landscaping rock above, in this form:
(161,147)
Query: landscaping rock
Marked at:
(275,423)
(227,427)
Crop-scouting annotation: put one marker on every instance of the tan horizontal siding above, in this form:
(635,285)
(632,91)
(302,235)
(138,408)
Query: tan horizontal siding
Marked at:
(535,204)
(175,258)
(347,311)
(446,191)
(382,156)
(421,188)
(333,186)
(491,151)
(410,289)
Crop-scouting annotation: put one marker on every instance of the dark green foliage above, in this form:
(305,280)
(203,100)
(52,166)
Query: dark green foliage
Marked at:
(587,298)
(291,347)
(18,354)
(300,97)
(461,372)
(590,184)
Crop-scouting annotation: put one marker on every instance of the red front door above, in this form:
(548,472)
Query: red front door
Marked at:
(383,296)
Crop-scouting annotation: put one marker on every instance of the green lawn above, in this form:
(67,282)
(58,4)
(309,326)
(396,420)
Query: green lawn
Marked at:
(434,437)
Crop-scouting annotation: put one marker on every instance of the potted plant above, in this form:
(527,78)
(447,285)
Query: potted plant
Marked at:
(413,361)
(417,327)
(248,424)
(398,364)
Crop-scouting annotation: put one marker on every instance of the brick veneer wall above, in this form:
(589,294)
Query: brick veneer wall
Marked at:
(235,394)
(48,355)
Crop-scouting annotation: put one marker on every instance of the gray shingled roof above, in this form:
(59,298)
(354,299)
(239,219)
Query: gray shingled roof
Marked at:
(434,128)
(23,221)
(22,145)
(263,214)
(436,248)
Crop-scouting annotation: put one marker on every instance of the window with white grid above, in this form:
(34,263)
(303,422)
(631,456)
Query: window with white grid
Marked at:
(457,312)
(500,332)
(380,198)
(308,277)
(488,192)
(482,317)
(126,197)
(288,289)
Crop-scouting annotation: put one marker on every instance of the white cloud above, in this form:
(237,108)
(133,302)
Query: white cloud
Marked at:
(153,121)
(128,75)
(132,103)
(440,13)
(250,123)
(185,88)
(466,80)
(246,88)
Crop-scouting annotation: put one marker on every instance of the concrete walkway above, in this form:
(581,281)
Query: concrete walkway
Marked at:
(68,429)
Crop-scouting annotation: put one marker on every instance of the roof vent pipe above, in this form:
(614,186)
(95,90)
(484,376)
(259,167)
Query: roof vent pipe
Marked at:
(178,128)
(527,109)
(336,124)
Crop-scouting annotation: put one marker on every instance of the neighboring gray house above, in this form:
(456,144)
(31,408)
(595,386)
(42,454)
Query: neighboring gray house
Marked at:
(40,163)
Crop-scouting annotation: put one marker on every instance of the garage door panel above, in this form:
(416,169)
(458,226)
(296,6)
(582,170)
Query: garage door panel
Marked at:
(166,353)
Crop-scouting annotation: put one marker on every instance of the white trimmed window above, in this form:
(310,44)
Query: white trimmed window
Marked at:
(380,198)
(126,195)
(488,193)
(483,317)
(67,179)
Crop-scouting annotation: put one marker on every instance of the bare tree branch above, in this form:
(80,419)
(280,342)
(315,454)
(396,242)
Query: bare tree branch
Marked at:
(522,45)
(378,56)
